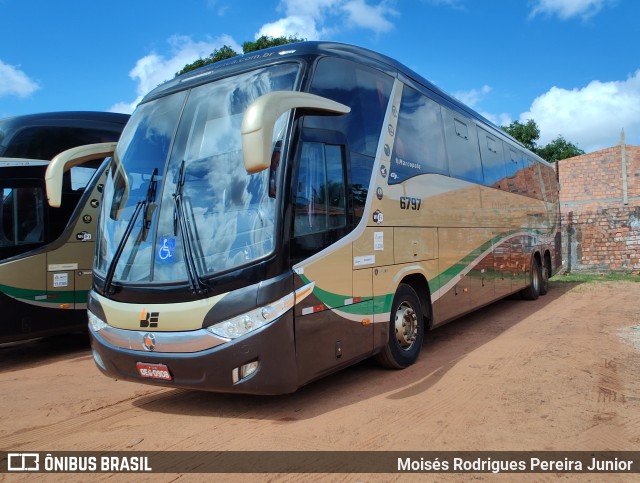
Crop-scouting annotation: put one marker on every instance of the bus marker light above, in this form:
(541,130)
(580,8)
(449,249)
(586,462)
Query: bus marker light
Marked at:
(64,306)
(366,322)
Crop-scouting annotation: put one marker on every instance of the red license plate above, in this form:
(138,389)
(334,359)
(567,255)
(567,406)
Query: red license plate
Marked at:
(154,371)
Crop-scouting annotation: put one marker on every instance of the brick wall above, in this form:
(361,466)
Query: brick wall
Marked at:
(600,210)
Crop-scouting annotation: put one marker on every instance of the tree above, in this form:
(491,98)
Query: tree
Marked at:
(527,133)
(559,149)
(226,52)
(223,53)
(265,42)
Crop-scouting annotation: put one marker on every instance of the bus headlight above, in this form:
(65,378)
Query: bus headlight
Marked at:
(250,321)
(96,322)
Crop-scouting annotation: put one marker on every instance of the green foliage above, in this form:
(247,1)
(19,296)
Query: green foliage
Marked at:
(265,42)
(226,52)
(528,134)
(559,149)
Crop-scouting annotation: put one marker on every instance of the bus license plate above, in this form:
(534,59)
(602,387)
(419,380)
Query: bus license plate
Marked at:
(154,371)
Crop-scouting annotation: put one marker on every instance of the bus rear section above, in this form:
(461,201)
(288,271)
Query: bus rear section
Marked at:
(272,219)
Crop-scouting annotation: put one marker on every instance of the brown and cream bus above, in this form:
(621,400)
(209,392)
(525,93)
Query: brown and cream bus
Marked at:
(272,218)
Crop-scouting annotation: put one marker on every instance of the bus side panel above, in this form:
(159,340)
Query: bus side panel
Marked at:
(332,325)
(70,263)
(26,309)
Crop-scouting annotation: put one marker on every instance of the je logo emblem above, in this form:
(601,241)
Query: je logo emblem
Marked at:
(149,319)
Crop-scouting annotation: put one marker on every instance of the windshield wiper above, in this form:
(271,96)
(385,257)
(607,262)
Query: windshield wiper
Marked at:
(180,221)
(140,205)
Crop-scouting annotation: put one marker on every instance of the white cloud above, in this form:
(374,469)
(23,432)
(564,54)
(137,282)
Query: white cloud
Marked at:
(317,19)
(473,96)
(14,82)
(591,117)
(503,119)
(154,69)
(298,26)
(372,17)
(566,9)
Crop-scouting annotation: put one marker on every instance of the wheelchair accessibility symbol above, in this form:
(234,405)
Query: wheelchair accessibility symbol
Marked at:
(165,250)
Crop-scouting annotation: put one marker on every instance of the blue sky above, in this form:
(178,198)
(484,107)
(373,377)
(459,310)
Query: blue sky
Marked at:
(571,65)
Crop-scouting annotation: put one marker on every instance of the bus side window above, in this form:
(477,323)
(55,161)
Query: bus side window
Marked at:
(419,147)
(516,172)
(462,148)
(22,216)
(6,226)
(533,182)
(492,161)
(549,178)
(319,198)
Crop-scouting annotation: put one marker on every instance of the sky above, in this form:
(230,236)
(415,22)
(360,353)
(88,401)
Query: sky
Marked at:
(573,66)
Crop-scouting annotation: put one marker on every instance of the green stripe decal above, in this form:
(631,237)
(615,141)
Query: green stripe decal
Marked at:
(382,303)
(42,297)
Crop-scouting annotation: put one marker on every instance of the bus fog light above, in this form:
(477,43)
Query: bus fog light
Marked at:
(244,371)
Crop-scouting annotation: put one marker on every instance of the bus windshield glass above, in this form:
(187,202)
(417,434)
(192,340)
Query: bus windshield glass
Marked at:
(205,213)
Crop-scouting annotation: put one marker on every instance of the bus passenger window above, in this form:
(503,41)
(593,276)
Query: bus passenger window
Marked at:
(80,177)
(319,198)
(514,164)
(462,148)
(493,165)
(22,216)
(419,147)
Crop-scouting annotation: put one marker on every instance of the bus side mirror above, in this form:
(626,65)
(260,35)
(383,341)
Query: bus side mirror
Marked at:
(261,115)
(67,160)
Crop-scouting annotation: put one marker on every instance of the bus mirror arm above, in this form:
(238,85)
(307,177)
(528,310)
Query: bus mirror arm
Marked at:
(260,118)
(67,160)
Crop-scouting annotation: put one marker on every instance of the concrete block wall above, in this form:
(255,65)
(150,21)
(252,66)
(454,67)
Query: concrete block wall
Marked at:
(600,210)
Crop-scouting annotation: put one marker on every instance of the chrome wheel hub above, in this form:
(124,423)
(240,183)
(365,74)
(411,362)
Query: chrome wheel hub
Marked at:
(406,325)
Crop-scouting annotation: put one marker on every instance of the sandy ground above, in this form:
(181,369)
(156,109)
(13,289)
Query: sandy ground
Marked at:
(559,373)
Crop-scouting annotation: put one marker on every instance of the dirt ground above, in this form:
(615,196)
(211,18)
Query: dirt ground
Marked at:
(558,373)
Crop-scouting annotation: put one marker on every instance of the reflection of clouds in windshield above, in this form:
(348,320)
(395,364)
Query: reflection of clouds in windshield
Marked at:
(231,208)
(228,213)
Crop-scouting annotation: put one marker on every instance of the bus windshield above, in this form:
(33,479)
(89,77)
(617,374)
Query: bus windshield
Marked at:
(205,213)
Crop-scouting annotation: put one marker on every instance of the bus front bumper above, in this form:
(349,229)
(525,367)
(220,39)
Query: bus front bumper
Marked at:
(263,362)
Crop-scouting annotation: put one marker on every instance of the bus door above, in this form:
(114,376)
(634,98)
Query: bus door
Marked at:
(331,325)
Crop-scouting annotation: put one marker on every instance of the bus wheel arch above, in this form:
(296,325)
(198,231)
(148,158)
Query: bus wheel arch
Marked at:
(409,319)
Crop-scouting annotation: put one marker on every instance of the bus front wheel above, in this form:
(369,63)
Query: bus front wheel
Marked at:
(406,330)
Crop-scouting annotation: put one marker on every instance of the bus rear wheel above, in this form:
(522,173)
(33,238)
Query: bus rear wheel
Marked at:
(532,292)
(406,330)
(544,285)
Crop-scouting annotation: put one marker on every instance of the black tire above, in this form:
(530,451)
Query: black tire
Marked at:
(406,330)
(544,285)
(532,292)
